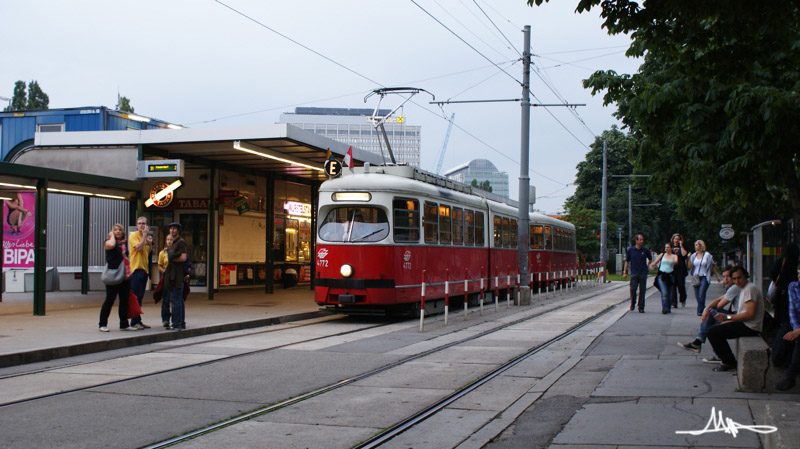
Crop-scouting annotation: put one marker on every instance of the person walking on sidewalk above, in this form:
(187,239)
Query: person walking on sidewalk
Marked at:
(702,265)
(117,253)
(177,254)
(708,318)
(139,243)
(680,271)
(786,349)
(636,260)
(664,279)
(745,322)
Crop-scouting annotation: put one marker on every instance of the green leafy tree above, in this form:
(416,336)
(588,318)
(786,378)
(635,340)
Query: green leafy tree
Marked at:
(18,101)
(713,108)
(485,185)
(34,100)
(124,105)
(37,99)
(587,232)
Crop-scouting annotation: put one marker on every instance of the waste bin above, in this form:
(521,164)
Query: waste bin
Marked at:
(49,276)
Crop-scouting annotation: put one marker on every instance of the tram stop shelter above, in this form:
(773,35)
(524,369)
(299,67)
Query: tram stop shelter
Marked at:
(210,164)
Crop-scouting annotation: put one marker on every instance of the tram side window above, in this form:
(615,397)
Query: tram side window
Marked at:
(537,238)
(498,232)
(548,239)
(506,233)
(431,222)
(445,233)
(479,227)
(513,235)
(458,226)
(469,228)
(406,220)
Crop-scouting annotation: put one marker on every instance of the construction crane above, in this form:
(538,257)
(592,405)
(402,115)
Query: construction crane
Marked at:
(444,145)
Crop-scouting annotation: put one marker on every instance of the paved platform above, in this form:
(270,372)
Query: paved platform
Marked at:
(634,387)
(70,325)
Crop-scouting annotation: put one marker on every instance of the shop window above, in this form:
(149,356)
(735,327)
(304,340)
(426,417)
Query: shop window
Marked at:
(445,231)
(431,222)
(406,220)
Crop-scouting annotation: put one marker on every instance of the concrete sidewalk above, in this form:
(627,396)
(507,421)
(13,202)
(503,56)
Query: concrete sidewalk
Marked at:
(70,326)
(634,387)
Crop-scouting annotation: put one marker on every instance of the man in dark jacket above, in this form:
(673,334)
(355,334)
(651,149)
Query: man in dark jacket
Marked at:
(177,255)
(636,259)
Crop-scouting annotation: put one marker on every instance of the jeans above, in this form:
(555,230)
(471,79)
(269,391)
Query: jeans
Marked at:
(165,310)
(719,335)
(638,281)
(138,284)
(112,291)
(700,294)
(175,298)
(708,323)
(679,292)
(665,285)
(786,353)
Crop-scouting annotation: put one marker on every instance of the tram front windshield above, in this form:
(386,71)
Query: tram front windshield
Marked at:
(354,224)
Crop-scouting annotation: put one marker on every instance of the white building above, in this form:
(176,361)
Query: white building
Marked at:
(353,127)
(480,170)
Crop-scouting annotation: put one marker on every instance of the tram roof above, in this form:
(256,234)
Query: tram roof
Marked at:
(215,147)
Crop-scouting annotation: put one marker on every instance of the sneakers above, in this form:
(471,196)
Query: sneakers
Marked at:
(165,324)
(787,383)
(141,326)
(723,367)
(103,329)
(129,328)
(712,360)
(693,346)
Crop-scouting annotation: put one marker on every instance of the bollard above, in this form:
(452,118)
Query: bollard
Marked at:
(422,306)
(508,286)
(446,294)
(540,286)
(483,292)
(466,288)
(496,289)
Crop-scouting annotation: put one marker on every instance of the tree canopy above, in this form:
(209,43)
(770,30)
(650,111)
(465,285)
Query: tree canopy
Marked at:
(124,104)
(34,100)
(485,185)
(713,108)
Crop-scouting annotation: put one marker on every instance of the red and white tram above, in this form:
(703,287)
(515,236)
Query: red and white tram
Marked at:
(381,229)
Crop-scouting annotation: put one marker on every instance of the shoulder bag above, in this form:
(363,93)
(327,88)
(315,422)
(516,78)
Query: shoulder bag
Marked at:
(113,276)
(696,269)
(773,290)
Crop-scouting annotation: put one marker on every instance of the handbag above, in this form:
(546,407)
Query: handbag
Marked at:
(773,290)
(134,309)
(159,290)
(113,276)
(695,280)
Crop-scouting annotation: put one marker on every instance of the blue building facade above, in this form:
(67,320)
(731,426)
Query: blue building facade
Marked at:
(17,128)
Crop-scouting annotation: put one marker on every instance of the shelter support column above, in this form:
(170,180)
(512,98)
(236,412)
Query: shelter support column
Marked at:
(85,248)
(40,245)
(211,265)
(269,285)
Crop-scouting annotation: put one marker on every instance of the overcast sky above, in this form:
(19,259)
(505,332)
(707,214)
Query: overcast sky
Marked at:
(199,63)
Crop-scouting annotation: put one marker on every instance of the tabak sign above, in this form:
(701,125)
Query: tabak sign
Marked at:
(18,230)
(163,202)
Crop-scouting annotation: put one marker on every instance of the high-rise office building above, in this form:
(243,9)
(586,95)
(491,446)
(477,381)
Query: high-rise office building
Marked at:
(353,127)
(480,170)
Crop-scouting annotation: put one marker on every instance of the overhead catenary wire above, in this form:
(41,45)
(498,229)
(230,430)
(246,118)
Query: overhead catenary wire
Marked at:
(469,30)
(498,29)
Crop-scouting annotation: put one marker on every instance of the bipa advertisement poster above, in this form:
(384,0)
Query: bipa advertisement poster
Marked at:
(18,230)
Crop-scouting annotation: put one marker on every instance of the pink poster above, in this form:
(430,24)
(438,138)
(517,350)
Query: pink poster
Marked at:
(18,229)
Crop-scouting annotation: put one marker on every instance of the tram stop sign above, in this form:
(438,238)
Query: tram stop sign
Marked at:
(726,233)
(333,168)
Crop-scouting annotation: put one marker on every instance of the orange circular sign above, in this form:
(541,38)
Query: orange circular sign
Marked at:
(163,202)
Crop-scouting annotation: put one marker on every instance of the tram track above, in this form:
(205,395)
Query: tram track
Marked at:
(420,416)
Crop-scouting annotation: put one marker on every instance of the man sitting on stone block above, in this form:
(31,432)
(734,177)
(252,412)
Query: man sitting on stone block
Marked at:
(708,318)
(746,322)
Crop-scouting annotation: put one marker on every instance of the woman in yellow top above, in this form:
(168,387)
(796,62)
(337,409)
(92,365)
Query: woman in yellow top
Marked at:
(162,267)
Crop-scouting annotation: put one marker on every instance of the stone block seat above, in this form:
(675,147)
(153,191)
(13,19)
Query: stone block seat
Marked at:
(755,371)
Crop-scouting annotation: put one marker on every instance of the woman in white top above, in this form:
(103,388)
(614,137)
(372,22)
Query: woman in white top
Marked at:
(702,264)
(666,263)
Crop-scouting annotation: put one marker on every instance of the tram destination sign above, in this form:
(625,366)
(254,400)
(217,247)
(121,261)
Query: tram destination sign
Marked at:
(160,168)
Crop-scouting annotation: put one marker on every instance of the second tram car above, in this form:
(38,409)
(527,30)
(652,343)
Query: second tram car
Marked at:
(381,229)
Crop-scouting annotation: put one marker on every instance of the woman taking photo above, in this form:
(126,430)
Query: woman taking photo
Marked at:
(701,265)
(117,253)
(665,262)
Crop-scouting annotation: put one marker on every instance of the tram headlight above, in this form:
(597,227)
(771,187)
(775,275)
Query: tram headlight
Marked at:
(346,270)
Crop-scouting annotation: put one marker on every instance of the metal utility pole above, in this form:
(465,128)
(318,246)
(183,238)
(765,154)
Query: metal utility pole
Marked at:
(523,239)
(603,223)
